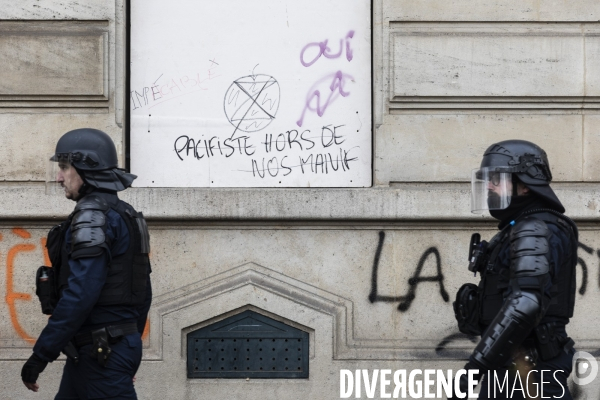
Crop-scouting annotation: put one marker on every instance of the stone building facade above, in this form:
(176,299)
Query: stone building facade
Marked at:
(343,265)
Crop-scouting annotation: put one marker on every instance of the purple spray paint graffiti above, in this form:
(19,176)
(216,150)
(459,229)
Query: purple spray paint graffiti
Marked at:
(324,50)
(337,79)
(336,88)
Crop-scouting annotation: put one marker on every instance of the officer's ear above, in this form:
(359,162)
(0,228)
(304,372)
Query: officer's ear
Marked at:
(523,190)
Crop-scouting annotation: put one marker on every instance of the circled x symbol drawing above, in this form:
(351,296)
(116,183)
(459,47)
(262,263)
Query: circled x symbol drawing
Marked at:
(251,102)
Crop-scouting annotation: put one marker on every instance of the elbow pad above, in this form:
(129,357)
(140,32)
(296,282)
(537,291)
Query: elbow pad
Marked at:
(511,326)
(525,306)
(88,228)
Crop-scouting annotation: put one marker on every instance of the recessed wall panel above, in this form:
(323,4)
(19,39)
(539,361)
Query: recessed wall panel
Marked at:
(52,64)
(478,62)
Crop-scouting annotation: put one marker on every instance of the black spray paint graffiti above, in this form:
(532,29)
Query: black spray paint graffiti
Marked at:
(441,347)
(314,153)
(584,268)
(407,299)
(199,148)
(413,282)
(314,162)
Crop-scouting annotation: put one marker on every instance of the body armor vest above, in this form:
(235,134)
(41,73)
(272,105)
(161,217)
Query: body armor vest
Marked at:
(127,274)
(495,278)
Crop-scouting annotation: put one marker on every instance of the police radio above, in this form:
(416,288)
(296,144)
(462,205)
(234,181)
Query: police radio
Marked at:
(477,253)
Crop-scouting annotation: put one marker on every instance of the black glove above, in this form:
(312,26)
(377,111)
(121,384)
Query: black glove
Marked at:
(32,369)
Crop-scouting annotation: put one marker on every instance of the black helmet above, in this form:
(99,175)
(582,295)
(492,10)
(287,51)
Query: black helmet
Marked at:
(525,160)
(93,153)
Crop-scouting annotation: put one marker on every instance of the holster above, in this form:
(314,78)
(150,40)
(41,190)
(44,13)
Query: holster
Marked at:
(477,254)
(71,351)
(548,343)
(46,290)
(466,309)
(100,348)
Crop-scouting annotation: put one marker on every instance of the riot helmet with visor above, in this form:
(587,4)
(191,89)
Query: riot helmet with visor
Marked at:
(504,164)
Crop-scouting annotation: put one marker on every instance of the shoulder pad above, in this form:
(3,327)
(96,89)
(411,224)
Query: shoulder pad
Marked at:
(92,202)
(88,219)
(529,226)
(529,248)
(87,228)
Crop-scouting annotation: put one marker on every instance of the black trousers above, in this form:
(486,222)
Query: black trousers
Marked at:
(89,380)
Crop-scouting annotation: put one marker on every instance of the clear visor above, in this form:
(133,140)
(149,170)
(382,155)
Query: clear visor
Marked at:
(57,174)
(490,190)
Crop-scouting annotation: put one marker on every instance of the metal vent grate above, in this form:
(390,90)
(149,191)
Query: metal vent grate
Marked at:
(247,345)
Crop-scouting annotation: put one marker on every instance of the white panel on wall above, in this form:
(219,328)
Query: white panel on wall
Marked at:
(251,93)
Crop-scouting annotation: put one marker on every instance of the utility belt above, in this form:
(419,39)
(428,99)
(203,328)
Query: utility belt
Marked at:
(112,334)
(548,342)
(544,344)
(100,340)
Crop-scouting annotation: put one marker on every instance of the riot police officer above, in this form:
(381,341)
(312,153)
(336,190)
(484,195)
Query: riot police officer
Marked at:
(526,294)
(98,290)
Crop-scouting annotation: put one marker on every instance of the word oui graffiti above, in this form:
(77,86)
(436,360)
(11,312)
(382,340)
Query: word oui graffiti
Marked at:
(407,299)
(325,51)
(323,96)
(11,296)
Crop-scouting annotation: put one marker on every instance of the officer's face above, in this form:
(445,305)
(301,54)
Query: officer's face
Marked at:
(497,188)
(69,180)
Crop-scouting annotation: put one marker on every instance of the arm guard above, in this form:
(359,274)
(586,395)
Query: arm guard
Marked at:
(524,307)
(88,226)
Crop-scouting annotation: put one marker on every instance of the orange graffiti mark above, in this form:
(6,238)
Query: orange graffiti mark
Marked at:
(47,261)
(21,233)
(11,295)
(146,329)
(1,236)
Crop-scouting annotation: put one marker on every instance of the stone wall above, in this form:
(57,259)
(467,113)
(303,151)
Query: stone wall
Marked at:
(345,265)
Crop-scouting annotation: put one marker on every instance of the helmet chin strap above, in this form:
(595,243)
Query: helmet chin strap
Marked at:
(515,183)
(84,189)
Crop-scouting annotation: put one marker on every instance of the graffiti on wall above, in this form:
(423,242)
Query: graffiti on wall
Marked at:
(327,89)
(11,296)
(25,243)
(442,348)
(417,277)
(413,282)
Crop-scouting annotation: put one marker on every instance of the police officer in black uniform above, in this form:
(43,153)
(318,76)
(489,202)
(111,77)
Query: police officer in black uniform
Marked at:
(98,290)
(527,290)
